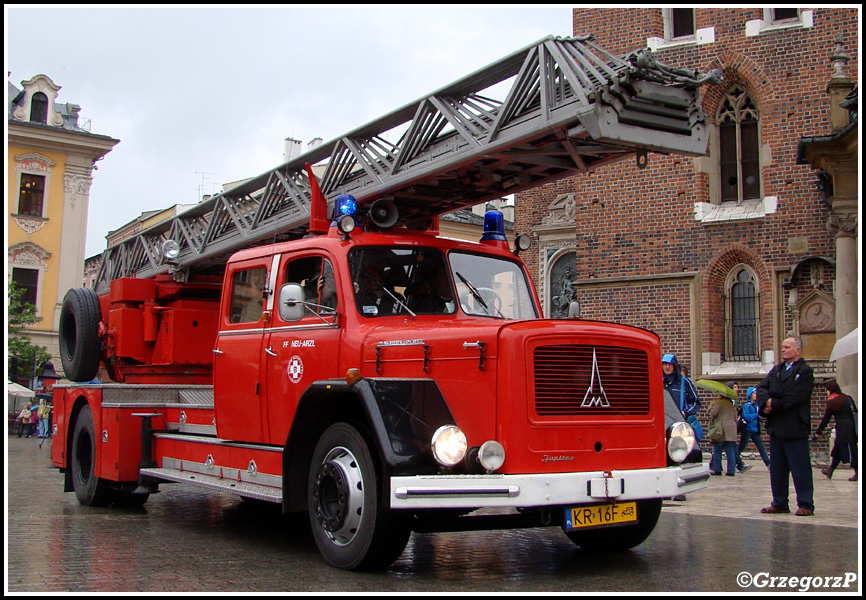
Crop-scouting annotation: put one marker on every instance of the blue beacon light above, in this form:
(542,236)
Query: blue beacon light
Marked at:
(494,227)
(345,204)
(345,208)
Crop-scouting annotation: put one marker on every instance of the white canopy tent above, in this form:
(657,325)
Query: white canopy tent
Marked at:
(846,345)
(17,395)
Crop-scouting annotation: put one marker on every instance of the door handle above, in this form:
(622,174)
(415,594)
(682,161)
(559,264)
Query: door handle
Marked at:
(270,352)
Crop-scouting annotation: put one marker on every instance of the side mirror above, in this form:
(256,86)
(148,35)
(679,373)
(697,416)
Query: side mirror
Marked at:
(291,302)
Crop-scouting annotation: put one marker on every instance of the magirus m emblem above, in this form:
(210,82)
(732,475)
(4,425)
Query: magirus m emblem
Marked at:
(592,397)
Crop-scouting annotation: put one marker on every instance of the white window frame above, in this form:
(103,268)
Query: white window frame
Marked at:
(33,164)
(706,35)
(668,20)
(768,25)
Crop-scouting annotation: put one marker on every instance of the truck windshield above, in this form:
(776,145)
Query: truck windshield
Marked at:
(409,281)
(401,281)
(491,286)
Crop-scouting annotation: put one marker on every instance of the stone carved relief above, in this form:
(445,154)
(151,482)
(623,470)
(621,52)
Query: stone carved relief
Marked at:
(34,162)
(562,211)
(29,226)
(28,254)
(842,226)
(74,184)
(561,288)
(817,314)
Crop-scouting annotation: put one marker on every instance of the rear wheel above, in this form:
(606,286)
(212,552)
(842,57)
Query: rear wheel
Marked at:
(89,489)
(352,525)
(622,537)
(79,334)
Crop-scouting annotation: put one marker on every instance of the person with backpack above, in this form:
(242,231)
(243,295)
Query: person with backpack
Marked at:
(752,431)
(680,387)
(722,431)
(741,425)
(685,396)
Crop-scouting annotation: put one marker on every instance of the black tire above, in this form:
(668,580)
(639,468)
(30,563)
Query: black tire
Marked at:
(347,505)
(623,537)
(89,489)
(80,347)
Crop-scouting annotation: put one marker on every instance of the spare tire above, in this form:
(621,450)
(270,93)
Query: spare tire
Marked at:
(80,347)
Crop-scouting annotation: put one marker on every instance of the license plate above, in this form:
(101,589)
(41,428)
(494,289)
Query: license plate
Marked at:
(597,515)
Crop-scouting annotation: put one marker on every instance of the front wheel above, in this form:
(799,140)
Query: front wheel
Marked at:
(622,537)
(352,525)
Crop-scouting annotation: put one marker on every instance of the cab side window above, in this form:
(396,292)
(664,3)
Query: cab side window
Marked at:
(315,275)
(247,295)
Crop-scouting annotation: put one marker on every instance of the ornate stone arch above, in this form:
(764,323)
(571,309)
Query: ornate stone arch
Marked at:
(740,72)
(28,255)
(560,273)
(556,240)
(722,274)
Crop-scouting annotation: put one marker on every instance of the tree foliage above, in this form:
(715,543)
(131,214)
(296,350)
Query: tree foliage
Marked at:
(22,316)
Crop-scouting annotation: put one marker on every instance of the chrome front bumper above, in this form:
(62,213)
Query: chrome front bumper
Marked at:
(476,491)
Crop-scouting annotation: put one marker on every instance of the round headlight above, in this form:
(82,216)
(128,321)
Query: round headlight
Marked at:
(170,249)
(346,224)
(522,242)
(681,441)
(448,445)
(491,455)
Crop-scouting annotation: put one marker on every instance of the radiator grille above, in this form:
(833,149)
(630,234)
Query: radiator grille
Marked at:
(575,380)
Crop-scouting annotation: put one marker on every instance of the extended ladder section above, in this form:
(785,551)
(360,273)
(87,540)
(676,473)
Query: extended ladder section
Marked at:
(567,107)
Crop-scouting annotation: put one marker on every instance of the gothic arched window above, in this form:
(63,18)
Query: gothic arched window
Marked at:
(739,147)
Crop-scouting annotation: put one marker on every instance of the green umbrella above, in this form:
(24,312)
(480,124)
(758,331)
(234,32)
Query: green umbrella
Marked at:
(717,387)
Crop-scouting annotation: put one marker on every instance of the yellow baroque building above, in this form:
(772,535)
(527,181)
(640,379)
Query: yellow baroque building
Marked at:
(50,160)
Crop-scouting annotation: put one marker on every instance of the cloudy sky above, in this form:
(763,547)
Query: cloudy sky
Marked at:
(199,96)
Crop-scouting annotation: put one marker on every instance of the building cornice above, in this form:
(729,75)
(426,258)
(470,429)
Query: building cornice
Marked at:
(53,139)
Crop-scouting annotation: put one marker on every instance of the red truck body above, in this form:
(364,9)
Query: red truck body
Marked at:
(355,365)
(576,406)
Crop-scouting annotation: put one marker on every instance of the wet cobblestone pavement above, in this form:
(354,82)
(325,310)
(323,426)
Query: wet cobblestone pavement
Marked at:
(187,540)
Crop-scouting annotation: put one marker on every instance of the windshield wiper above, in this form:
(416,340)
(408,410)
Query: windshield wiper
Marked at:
(477,295)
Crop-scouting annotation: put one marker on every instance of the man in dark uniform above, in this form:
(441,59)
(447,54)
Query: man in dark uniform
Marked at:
(784,398)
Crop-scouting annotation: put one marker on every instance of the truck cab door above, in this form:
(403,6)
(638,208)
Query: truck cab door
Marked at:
(238,364)
(305,351)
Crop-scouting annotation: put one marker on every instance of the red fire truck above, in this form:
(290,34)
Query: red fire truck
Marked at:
(341,358)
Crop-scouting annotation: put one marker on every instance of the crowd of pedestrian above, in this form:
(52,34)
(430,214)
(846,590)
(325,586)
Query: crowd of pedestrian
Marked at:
(34,420)
(782,400)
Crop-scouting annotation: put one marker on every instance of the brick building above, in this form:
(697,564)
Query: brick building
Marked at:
(722,255)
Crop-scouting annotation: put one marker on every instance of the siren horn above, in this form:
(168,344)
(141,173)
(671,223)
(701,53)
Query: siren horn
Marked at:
(383,213)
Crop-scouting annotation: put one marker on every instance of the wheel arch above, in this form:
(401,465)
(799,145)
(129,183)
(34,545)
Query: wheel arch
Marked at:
(398,416)
(77,406)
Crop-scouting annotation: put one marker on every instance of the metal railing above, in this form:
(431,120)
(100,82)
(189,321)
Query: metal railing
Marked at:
(570,107)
